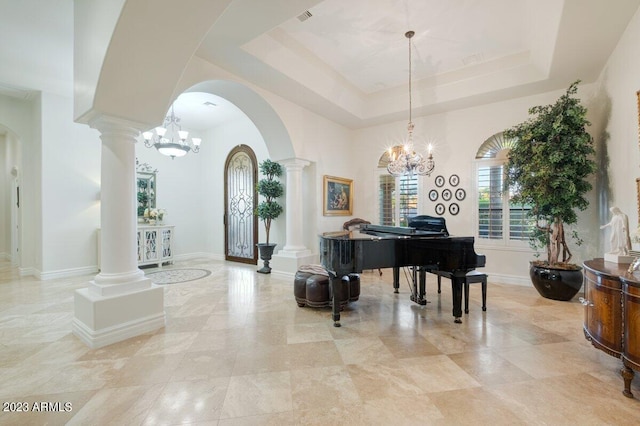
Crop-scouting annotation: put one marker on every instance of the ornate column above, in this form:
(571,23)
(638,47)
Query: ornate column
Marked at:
(120,302)
(294,252)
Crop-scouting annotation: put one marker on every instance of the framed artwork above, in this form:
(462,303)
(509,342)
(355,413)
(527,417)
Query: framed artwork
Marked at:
(440,209)
(439,181)
(446,194)
(433,195)
(337,196)
(460,194)
(454,208)
(454,180)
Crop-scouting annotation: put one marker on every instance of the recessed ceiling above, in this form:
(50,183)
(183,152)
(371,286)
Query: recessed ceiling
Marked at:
(201,111)
(348,60)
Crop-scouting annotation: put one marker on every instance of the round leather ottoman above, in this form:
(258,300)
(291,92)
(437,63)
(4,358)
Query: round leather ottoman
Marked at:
(314,290)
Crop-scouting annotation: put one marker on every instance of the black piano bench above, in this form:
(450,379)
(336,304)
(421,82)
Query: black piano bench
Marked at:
(314,290)
(472,277)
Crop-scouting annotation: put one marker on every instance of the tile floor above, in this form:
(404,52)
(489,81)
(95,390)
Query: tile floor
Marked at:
(237,350)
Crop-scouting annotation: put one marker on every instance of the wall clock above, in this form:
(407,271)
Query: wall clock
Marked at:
(433,195)
(439,181)
(454,208)
(440,209)
(454,180)
(446,194)
(460,194)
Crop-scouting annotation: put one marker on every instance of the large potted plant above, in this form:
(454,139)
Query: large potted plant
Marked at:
(547,170)
(270,188)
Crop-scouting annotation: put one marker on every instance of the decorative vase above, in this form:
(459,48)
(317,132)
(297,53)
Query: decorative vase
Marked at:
(266,251)
(554,283)
(152,221)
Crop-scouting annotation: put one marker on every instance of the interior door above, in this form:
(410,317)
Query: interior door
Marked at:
(240,200)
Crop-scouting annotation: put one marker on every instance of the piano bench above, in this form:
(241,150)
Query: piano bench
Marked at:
(314,290)
(472,277)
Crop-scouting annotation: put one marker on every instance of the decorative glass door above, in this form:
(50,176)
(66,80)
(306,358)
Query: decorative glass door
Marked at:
(241,225)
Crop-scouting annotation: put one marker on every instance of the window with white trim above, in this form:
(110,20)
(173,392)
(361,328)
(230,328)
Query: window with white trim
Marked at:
(397,196)
(499,219)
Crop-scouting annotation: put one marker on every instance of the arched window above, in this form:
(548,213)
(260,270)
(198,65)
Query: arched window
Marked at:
(397,196)
(499,220)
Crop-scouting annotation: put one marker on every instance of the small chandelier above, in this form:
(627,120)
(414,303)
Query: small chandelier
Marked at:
(405,161)
(170,139)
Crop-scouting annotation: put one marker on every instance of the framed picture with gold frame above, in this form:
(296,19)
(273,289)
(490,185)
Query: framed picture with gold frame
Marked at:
(337,196)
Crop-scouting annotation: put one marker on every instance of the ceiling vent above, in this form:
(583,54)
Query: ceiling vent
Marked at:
(306,15)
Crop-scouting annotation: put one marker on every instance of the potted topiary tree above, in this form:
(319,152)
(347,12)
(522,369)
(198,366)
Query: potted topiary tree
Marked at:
(271,189)
(548,169)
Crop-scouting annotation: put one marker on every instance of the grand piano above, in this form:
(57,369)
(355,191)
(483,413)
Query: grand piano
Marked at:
(425,246)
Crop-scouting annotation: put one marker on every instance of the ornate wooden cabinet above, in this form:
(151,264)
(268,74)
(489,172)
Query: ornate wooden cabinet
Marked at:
(612,314)
(155,244)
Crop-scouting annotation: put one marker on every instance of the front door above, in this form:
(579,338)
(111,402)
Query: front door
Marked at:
(241,224)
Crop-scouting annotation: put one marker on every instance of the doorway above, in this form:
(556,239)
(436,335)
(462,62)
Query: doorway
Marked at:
(240,200)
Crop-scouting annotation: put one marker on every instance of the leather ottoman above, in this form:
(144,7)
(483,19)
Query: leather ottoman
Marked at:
(314,290)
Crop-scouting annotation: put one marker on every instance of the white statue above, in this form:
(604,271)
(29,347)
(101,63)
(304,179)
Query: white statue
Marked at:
(620,241)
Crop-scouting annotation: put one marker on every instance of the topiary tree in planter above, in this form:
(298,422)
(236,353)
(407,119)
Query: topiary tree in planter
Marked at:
(269,209)
(548,169)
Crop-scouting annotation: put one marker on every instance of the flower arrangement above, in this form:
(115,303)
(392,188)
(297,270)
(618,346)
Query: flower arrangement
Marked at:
(153,215)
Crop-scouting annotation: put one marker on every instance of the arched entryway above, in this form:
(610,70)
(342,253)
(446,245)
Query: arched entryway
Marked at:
(240,199)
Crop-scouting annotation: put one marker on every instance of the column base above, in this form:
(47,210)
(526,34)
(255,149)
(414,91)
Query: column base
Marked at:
(288,262)
(102,320)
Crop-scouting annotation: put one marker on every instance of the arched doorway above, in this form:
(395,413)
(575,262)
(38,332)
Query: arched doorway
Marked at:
(240,199)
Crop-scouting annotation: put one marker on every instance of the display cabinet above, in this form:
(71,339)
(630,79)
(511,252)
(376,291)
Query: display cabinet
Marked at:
(612,314)
(155,244)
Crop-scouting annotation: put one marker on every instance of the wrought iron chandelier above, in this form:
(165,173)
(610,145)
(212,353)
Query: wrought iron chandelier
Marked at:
(404,160)
(170,139)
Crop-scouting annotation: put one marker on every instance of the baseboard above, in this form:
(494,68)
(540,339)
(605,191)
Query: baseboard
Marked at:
(66,273)
(108,336)
(518,280)
(196,256)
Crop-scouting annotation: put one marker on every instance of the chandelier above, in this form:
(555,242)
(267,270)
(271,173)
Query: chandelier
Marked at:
(170,139)
(404,160)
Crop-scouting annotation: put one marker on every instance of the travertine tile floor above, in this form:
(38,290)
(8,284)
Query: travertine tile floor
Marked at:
(237,350)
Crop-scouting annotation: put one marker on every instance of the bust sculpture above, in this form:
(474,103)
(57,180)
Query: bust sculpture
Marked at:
(620,243)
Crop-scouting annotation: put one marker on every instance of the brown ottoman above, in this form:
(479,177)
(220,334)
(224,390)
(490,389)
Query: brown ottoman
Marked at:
(314,290)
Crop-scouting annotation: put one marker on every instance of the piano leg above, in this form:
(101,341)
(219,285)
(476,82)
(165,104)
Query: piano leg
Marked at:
(417,296)
(396,279)
(336,290)
(456,293)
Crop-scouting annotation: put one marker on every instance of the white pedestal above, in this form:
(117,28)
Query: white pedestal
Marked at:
(615,258)
(102,320)
(288,262)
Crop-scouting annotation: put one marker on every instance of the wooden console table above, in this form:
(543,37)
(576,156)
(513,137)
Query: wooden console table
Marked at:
(612,314)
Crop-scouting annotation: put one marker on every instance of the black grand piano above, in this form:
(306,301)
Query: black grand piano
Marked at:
(425,245)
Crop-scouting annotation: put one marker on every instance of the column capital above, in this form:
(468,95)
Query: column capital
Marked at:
(109,125)
(294,163)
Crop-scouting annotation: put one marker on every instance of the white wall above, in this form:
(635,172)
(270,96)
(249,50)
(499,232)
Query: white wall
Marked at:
(457,136)
(616,94)
(70,190)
